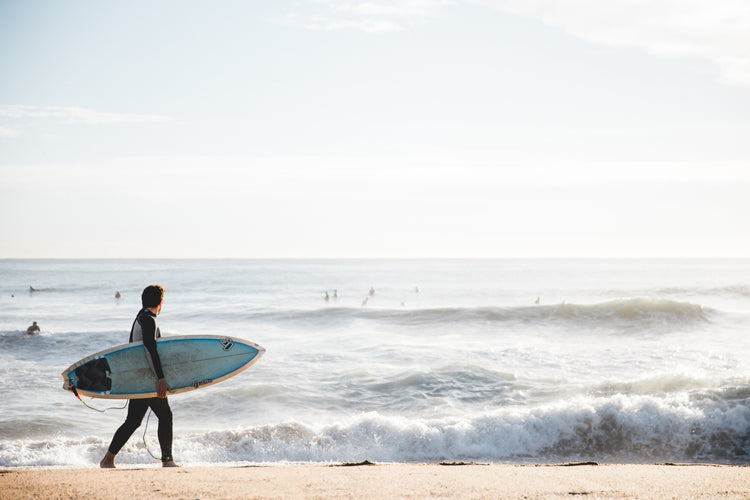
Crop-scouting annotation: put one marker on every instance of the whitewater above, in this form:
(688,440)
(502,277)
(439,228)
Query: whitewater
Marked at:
(415,361)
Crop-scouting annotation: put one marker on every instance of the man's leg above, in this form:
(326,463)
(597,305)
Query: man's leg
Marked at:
(161,409)
(136,410)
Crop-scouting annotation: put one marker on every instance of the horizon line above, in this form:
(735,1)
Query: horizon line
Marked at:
(398,258)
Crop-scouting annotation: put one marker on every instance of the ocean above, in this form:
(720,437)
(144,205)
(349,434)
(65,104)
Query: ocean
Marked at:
(414,361)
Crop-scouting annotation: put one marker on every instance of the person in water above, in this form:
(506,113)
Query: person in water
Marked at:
(146,328)
(33,329)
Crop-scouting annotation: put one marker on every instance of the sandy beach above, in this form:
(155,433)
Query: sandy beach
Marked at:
(382,481)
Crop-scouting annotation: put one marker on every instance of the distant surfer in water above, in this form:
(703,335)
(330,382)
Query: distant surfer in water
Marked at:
(146,328)
(33,329)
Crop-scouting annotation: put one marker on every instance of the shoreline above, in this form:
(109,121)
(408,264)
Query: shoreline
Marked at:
(365,480)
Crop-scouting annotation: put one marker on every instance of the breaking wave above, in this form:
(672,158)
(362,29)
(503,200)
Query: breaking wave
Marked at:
(616,429)
(644,311)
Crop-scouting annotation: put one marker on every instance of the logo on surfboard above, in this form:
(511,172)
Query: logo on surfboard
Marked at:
(226,343)
(205,381)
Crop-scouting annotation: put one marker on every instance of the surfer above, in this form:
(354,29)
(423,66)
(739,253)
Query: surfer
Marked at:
(145,328)
(33,329)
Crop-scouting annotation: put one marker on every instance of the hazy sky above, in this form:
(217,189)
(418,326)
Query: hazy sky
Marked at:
(341,128)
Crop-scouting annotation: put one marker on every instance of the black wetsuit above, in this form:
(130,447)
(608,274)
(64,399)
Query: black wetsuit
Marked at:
(146,329)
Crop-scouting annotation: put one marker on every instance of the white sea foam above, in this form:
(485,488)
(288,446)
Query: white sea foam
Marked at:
(620,428)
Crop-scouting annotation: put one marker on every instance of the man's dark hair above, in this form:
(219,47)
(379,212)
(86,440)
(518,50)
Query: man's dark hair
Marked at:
(152,296)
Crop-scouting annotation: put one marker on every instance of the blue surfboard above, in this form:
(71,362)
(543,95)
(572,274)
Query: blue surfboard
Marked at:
(189,363)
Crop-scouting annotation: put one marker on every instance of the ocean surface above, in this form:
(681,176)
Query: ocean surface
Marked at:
(637,361)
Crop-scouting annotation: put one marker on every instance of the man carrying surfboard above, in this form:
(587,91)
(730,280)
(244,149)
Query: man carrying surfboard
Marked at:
(146,329)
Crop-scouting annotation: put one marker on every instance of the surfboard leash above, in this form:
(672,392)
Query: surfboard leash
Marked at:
(72,387)
(145,444)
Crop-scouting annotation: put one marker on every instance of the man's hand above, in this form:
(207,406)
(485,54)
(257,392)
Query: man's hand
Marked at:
(162,388)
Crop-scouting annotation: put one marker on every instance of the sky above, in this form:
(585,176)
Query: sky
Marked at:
(374,129)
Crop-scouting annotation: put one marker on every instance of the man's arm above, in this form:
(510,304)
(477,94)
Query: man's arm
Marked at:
(149,342)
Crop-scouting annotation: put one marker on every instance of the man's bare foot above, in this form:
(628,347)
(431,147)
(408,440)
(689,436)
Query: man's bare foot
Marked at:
(108,462)
(169,463)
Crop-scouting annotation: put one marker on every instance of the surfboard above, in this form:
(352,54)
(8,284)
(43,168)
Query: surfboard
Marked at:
(189,363)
